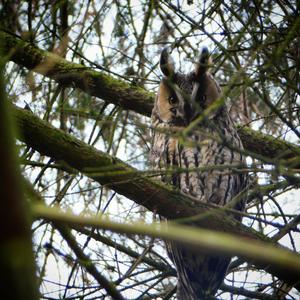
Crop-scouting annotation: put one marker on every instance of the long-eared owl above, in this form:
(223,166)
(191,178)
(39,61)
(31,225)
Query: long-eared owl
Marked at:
(194,136)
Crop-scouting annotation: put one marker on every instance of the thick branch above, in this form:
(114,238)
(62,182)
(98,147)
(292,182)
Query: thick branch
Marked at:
(129,182)
(92,82)
(270,147)
(120,93)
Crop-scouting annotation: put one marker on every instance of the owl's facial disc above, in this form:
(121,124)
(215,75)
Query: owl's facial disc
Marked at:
(171,103)
(186,96)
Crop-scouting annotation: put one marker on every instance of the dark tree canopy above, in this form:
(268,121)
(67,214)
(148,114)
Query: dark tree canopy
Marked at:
(78,83)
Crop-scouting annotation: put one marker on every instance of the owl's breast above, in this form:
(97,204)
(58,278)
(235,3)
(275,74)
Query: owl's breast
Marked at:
(201,166)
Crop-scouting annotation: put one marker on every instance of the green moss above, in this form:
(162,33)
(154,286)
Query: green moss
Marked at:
(95,83)
(129,97)
(267,145)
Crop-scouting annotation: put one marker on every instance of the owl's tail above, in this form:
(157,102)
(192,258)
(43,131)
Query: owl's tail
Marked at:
(199,275)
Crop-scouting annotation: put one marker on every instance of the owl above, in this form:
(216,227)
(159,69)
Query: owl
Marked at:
(194,136)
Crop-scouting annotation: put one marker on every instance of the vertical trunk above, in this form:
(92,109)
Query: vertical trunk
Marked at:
(17,271)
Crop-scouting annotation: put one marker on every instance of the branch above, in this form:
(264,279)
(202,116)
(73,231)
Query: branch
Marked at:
(128,251)
(127,181)
(118,92)
(202,239)
(269,146)
(246,293)
(85,261)
(67,73)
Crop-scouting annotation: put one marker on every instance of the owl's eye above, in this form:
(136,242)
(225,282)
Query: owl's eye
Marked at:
(172,99)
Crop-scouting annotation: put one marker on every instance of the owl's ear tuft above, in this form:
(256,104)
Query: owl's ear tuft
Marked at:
(166,62)
(203,62)
(204,55)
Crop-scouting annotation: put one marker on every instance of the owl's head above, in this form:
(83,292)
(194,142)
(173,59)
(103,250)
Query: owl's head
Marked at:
(181,98)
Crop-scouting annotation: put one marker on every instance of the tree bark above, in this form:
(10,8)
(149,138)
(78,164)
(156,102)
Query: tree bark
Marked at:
(127,96)
(131,183)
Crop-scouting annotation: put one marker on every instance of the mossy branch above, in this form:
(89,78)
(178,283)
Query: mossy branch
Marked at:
(129,97)
(94,83)
(128,182)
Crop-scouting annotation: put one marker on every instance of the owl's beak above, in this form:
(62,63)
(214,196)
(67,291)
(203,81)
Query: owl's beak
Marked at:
(198,97)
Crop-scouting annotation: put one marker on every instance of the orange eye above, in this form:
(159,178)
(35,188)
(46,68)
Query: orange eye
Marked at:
(172,99)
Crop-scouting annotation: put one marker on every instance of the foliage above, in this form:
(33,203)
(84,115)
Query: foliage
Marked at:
(255,47)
